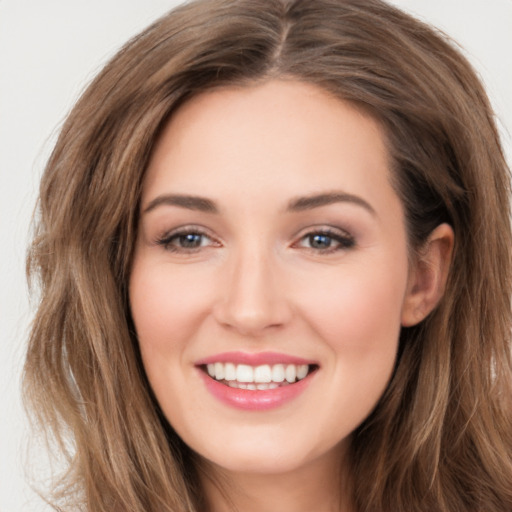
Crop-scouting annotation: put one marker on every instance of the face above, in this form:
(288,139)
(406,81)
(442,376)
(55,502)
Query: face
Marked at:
(270,275)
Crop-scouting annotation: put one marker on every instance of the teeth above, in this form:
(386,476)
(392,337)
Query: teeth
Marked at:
(230,371)
(278,373)
(270,385)
(290,373)
(240,385)
(219,371)
(265,376)
(302,371)
(244,373)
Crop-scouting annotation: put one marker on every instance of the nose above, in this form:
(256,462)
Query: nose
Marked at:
(253,300)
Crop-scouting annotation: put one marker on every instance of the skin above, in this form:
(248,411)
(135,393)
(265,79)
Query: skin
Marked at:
(257,282)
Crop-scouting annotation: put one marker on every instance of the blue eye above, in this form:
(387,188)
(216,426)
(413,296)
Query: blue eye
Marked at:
(327,241)
(189,240)
(320,241)
(185,241)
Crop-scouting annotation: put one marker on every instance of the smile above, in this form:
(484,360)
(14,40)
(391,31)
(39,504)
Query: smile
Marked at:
(262,377)
(256,382)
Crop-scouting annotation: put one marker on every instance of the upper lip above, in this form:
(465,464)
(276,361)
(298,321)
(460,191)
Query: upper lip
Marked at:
(253,358)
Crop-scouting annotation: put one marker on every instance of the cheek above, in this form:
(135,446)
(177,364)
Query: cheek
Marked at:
(357,315)
(359,310)
(167,306)
(358,319)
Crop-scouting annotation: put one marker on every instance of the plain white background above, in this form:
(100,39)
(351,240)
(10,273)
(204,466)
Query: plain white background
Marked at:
(49,51)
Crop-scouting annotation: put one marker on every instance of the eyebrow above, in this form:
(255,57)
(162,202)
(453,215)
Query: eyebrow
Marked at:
(197,203)
(324,199)
(298,204)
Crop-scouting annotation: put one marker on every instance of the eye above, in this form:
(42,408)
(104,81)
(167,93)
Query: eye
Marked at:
(186,240)
(327,241)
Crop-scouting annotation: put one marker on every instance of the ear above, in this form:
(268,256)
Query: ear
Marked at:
(428,275)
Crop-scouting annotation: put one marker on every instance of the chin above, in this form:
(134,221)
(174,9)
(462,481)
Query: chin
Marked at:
(264,454)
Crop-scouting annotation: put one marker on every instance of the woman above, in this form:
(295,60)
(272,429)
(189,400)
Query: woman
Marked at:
(274,252)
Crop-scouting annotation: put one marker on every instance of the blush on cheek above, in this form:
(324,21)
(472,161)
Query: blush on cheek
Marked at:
(360,312)
(166,301)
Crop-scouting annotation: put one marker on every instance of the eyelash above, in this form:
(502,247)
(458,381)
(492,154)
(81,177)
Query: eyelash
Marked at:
(167,240)
(342,240)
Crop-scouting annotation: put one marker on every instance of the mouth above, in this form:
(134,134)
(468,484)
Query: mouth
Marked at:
(257,378)
(256,381)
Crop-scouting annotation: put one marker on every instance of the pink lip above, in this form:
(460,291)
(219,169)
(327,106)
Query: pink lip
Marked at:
(253,359)
(254,400)
(250,400)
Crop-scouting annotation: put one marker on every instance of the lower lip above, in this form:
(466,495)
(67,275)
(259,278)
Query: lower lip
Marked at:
(255,400)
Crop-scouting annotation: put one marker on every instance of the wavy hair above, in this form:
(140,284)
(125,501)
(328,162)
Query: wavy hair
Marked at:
(440,438)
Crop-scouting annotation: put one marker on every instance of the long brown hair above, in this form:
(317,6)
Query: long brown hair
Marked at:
(440,438)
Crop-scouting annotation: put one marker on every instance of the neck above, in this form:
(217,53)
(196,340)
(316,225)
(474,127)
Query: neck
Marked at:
(320,486)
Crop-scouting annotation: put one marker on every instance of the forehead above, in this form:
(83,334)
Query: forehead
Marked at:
(286,136)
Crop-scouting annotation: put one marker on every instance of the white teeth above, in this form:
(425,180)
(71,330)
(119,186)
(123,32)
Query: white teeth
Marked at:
(219,371)
(270,385)
(262,374)
(230,371)
(278,373)
(244,373)
(290,373)
(302,371)
(241,385)
(265,376)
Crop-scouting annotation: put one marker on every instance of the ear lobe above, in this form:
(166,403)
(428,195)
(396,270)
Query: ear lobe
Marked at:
(428,276)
